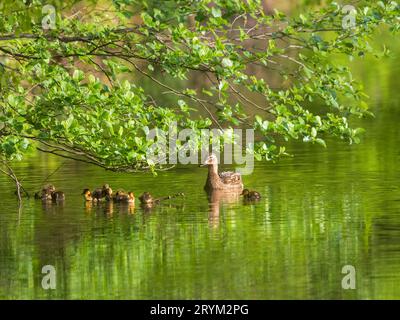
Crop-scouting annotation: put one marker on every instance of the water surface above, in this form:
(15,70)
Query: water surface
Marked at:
(320,210)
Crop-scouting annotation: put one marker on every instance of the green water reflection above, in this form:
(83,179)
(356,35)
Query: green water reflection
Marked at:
(320,211)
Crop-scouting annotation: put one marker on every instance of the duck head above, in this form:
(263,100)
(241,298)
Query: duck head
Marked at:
(107,191)
(245,192)
(50,188)
(131,196)
(87,195)
(211,160)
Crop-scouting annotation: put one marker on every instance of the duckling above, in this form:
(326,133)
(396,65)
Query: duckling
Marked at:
(107,192)
(50,188)
(119,195)
(45,193)
(58,196)
(131,197)
(250,195)
(100,193)
(146,198)
(87,195)
(97,194)
(125,197)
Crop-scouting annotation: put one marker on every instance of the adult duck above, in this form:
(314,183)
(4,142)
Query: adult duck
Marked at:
(229,181)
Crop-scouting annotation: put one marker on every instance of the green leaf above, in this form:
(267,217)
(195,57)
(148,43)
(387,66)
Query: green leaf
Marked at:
(216,12)
(313,132)
(321,142)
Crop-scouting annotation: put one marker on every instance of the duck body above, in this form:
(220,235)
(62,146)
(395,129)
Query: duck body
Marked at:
(46,193)
(100,193)
(42,195)
(97,194)
(107,192)
(58,196)
(221,181)
(250,195)
(146,198)
(124,197)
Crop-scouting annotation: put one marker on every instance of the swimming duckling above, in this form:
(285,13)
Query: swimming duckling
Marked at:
(100,193)
(250,195)
(87,195)
(107,192)
(46,192)
(97,194)
(125,197)
(58,196)
(147,198)
(119,195)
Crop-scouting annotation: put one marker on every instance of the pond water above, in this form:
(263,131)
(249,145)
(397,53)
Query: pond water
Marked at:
(321,210)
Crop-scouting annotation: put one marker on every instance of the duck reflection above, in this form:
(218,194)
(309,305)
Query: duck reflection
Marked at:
(100,208)
(217,199)
(108,208)
(126,208)
(53,207)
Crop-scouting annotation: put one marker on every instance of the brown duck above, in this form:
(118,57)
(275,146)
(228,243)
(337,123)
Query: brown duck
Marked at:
(230,181)
(49,192)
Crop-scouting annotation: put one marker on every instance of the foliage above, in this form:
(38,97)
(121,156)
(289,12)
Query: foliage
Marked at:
(76,89)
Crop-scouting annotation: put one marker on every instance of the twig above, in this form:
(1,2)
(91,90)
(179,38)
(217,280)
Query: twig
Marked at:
(52,173)
(10,173)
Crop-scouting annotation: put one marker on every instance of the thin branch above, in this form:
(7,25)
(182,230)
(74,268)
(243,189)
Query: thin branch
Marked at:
(200,101)
(10,173)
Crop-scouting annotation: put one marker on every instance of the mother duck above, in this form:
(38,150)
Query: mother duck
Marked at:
(228,181)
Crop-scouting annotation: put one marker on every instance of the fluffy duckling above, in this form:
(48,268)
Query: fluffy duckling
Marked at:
(250,195)
(87,195)
(58,196)
(97,194)
(121,196)
(46,192)
(100,193)
(131,197)
(107,192)
(146,198)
